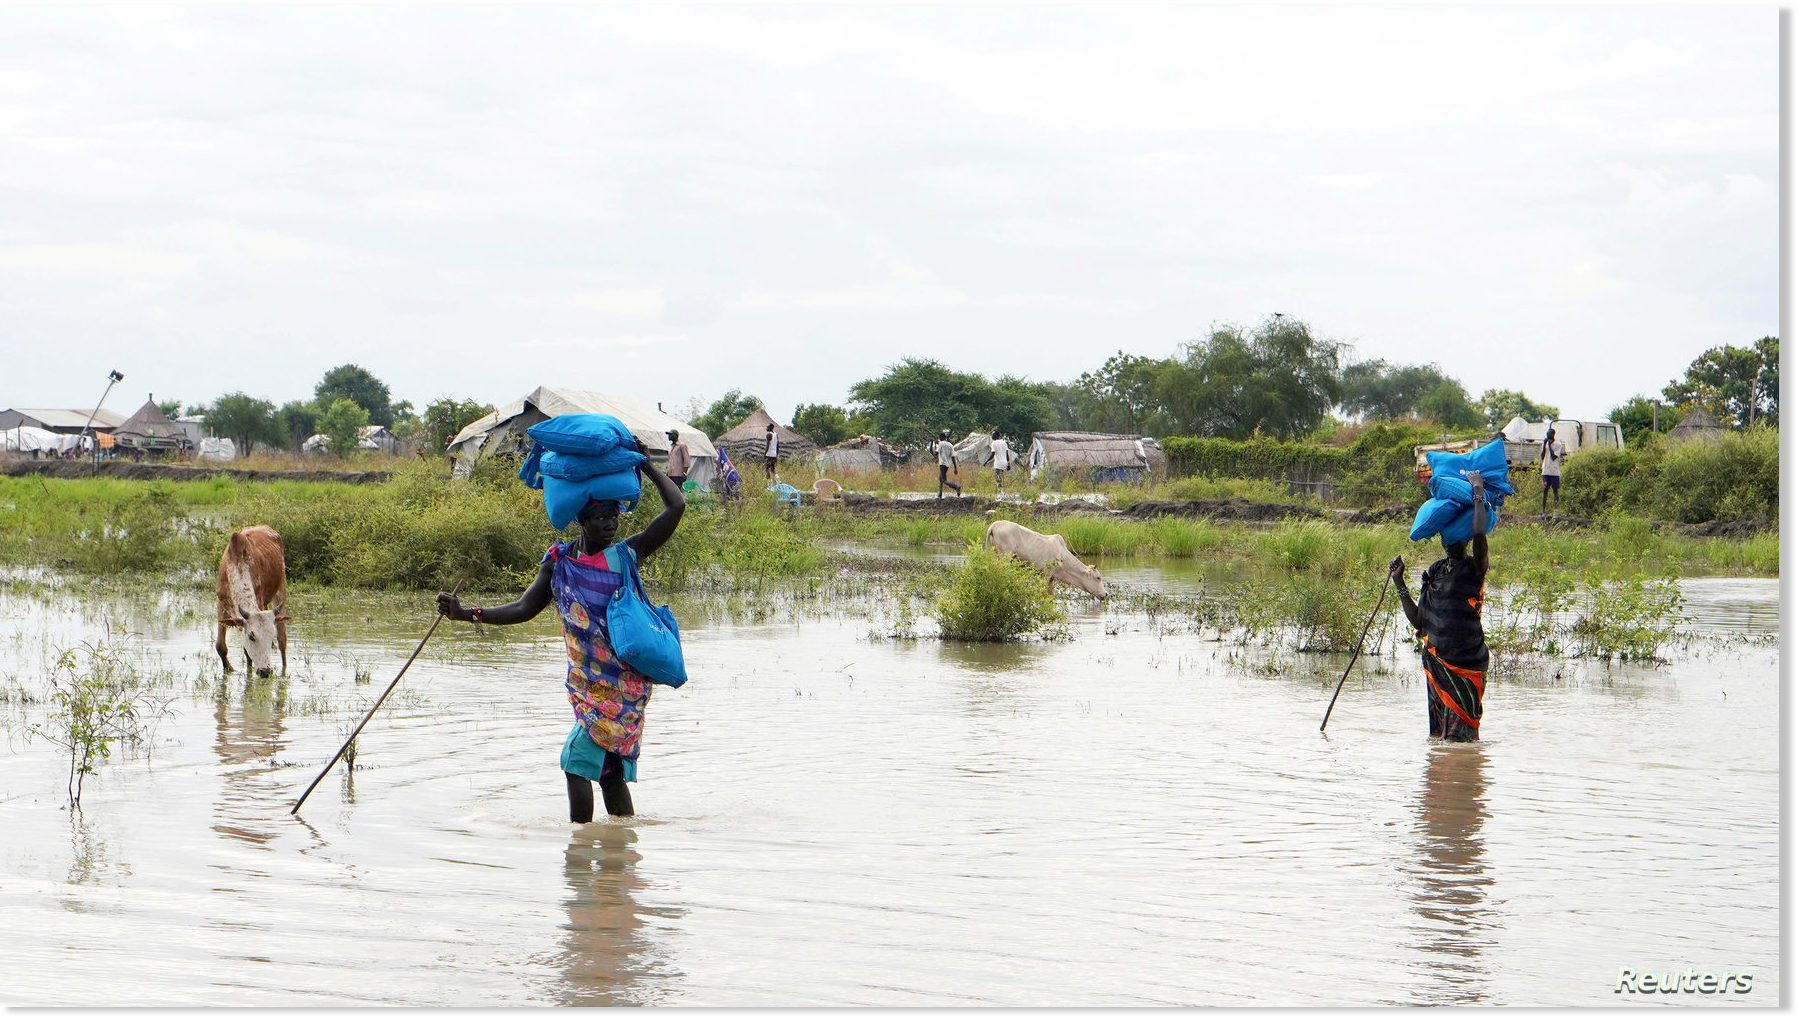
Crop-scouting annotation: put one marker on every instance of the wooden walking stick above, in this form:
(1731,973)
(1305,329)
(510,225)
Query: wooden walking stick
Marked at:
(377,705)
(1376,612)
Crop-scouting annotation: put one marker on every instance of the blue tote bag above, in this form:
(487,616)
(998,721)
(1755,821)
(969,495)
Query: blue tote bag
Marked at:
(644,636)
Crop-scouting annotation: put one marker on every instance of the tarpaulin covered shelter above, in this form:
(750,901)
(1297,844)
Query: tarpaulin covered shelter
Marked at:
(748,442)
(1097,455)
(62,421)
(863,453)
(502,432)
(149,429)
(33,440)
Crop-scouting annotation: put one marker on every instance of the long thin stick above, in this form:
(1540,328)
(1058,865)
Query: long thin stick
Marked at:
(1376,612)
(377,705)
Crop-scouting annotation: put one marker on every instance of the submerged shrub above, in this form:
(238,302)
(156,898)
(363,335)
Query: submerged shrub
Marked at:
(993,597)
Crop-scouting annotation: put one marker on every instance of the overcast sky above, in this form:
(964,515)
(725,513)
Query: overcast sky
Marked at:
(676,201)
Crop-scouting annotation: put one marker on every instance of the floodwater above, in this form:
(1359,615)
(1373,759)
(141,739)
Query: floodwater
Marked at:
(834,817)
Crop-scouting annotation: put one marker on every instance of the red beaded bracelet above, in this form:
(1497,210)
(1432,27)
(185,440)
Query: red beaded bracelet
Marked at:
(475,615)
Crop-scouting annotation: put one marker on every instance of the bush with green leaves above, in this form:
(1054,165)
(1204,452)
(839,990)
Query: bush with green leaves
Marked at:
(99,702)
(994,597)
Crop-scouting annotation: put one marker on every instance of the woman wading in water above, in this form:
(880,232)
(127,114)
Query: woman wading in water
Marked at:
(1447,616)
(608,696)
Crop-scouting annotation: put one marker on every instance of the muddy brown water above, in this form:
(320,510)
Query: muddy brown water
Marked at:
(1132,816)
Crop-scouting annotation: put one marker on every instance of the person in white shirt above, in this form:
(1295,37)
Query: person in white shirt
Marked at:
(945,459)
(1000,458)
(773,450)
(1553,454)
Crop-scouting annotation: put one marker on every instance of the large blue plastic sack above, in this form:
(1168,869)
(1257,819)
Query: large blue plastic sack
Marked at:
(1456,489)
(1488,460)
(1432,517)
(563,498)
(1451,519)
(581,433)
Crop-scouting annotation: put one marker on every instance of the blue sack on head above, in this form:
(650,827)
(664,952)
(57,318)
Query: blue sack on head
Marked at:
(582,433)
(563,498)
(1433,516)
(1488,460)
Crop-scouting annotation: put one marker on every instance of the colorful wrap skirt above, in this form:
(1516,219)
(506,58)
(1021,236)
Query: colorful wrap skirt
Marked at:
(1454,696)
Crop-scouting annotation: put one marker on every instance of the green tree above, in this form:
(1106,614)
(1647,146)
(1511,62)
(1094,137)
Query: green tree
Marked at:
(359,385)
(446,416)
(1123,395)
(1278,380)
(342,425)
(406,422)
(1447,404)
(1378,391)
(244,420)
(823,424)
(726,413)
(1500,406)
(171,409)
(1064,406)
(1636,418)
(917,398)
(1739,384)
(295,421)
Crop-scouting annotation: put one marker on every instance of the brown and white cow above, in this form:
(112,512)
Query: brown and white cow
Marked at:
(252,595)
(1049,551)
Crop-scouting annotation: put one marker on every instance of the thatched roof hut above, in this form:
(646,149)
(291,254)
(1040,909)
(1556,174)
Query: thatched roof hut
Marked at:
(863,453)
(748,442)
(1700,424)
(149,429)
(1103,457)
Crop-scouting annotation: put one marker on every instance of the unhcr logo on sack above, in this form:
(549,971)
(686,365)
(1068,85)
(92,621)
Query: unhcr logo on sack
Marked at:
(1669,982)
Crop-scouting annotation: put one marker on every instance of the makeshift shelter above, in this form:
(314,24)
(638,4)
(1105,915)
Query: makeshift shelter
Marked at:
(863,453)
(149,429)
(372,437)
(747,442)
(974,448)
(1700,424)
(62,421)
(35,441)
(1095,455)
(503,432)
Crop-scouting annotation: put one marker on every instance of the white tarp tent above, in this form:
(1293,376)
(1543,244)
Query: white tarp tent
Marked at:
(218,448)
(503,430)
(30,439)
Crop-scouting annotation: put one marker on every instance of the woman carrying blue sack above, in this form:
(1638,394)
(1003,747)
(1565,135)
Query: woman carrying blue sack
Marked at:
(582,577)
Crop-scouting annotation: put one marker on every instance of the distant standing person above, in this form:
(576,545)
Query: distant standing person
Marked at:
(1553,454)
(945,459)
(773,449)
(1447,616)
(680,460)
(1000,458)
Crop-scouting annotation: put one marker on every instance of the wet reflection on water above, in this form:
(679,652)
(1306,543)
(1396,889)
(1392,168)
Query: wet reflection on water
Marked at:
(603,939)
(248,740)
(1449,879)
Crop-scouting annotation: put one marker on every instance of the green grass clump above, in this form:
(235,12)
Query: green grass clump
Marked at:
(994,597)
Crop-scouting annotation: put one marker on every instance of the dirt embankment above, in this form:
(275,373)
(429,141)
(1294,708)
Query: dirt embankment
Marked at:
(181,472)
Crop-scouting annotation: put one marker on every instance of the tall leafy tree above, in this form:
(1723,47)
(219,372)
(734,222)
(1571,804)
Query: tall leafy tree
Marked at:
(1123,395)
(1447,403)
(359,385)
(446,416)
(1015,408)
(918,398)
(296,420)
(1500,406)
(1384,392)
(1064,406)
(1637,419)
(243,419)
(823,424)
(726,413)
(171,409)
(1739,384)
(1278,379)
(342,425)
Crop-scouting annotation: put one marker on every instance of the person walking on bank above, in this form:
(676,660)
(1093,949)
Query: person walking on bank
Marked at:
(772,452)
(1000,458)
(945,459)
(680,459)
(1553,454)
(1447,616)
(609,697)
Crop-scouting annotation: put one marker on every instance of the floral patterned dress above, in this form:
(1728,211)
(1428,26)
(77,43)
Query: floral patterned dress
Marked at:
(608,696)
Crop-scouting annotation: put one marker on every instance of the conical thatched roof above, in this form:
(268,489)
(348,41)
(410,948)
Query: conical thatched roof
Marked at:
(149,428)
(750,438)
(1699,424)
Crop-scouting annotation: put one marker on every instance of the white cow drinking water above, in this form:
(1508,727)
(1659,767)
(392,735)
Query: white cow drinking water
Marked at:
(1042,551)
